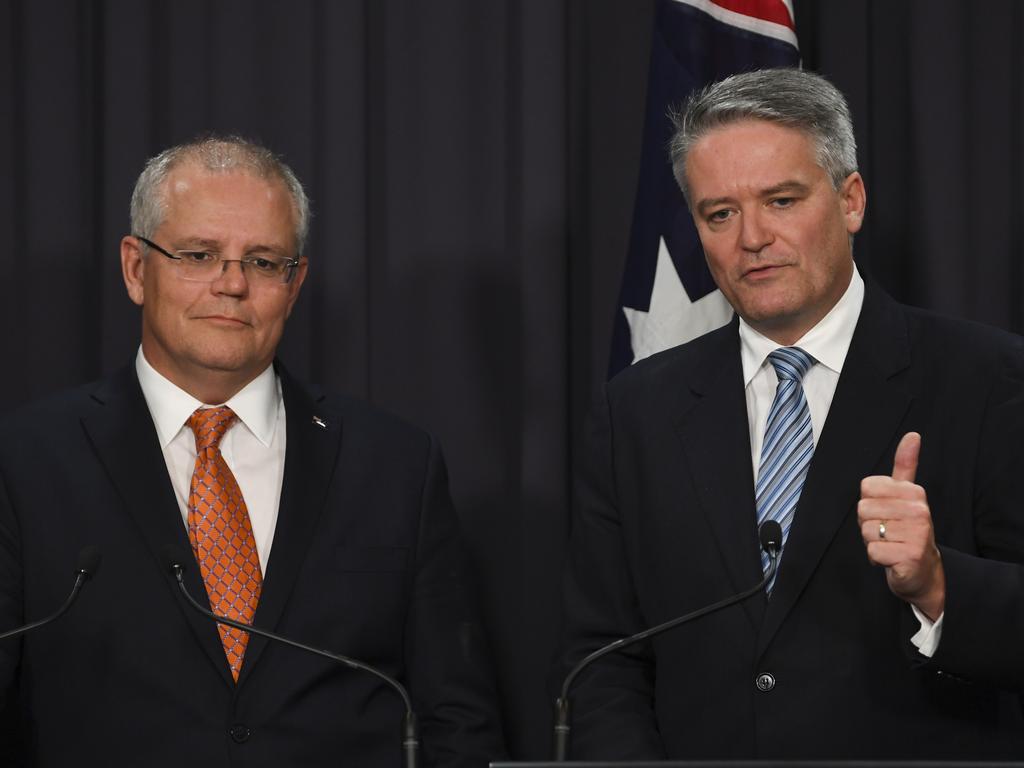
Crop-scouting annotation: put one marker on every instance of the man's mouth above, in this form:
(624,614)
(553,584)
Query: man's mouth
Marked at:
(226,321)
(764,271)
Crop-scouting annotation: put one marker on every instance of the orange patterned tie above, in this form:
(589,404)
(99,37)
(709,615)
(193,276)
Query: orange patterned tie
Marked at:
(221,534)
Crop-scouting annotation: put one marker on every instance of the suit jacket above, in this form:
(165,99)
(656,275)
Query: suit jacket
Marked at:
(366,562)
(665,524)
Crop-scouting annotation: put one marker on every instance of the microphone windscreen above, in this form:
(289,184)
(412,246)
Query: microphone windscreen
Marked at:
(172,558)
(89,558)
(770,534)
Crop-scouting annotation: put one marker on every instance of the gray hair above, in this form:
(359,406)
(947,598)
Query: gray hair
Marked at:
(218,154)
(794,98)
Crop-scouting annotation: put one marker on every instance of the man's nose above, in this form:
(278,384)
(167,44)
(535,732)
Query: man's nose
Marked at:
(755,233)
(232,278)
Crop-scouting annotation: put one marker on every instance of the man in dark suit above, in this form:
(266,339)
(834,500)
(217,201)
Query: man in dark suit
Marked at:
(894,626)
(311,515)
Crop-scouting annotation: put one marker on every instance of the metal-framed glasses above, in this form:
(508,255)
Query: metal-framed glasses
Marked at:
(206,266)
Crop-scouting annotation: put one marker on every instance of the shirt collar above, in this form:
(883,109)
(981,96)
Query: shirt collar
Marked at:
(827,342)
(255,404)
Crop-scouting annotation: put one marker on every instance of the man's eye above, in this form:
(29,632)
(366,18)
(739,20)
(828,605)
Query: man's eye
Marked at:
(716,217)
(783,202)
(261,264)
(197,257)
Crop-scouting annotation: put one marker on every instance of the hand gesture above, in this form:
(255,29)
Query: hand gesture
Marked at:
(896,524)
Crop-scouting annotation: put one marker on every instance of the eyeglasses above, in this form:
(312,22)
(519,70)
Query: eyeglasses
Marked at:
(207,266)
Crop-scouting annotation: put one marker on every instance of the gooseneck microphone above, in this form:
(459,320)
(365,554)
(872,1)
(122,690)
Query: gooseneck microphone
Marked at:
(770,536)
(88,564)
(175,563)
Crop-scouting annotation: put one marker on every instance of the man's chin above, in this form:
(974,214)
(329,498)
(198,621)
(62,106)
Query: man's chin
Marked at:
(773,320)
(768,315)
(225,361)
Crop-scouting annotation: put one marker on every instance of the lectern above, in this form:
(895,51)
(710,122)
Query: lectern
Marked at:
(763,764)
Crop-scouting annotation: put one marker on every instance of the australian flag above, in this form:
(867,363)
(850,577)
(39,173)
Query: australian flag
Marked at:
(668,296)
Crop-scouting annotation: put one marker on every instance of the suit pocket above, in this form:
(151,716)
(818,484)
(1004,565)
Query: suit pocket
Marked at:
(370,559)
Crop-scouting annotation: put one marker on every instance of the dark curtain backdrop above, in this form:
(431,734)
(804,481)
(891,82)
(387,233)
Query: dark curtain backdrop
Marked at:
(472,165)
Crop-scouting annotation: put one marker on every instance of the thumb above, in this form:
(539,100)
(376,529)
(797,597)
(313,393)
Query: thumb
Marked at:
(904,465)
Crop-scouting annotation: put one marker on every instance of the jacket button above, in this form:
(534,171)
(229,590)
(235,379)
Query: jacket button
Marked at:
(765,681)
(240,733)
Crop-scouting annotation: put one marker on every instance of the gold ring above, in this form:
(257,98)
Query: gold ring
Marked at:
(881,530)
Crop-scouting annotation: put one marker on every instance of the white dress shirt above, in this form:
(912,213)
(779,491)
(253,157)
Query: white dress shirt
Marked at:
(254,446)
(827,342)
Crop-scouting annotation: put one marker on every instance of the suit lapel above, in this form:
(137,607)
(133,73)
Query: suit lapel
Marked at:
(715,438)
(314,438)
(870,402)
(122,434)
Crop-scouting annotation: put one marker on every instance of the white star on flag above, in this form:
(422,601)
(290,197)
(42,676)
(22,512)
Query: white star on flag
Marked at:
(672,318)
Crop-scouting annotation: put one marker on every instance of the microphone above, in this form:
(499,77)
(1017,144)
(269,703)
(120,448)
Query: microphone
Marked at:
(410,728)
(770,535)
(88,564)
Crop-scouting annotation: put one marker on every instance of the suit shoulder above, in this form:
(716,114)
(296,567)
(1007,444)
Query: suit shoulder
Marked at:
(372,416)
(372,425)
(961,340)
(49,412)
(685,359)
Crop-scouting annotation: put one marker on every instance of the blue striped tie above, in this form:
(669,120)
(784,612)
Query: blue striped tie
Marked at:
(788,444)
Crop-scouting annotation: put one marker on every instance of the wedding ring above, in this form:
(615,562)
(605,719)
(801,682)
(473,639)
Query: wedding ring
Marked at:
(881,530)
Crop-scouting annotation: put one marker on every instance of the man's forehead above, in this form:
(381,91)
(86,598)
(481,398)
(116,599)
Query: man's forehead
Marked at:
(209,205)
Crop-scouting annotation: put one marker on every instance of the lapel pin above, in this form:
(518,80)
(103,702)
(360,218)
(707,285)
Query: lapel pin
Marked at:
(320,422)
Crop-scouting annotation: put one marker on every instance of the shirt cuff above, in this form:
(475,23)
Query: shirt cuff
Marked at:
(926,639)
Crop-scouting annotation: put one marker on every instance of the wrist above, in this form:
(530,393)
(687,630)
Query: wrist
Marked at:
(933,602)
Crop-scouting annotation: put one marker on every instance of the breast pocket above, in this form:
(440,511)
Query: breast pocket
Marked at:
(367,602)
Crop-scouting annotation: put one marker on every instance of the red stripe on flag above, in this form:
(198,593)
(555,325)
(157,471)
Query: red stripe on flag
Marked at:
(774,11)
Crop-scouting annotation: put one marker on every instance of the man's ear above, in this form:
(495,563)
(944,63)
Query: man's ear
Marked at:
(133,268)
(855,200)
(296,283)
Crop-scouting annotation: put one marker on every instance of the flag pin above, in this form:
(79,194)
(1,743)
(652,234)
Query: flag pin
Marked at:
(320,422)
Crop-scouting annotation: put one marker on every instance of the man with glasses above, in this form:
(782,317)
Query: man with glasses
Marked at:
(310,515)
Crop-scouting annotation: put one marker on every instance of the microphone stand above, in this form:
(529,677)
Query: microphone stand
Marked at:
(88,564)
(410,727)
(771,543)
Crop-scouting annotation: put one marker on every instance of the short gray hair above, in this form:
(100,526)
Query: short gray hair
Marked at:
(794,98)
(218,154)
